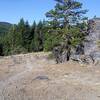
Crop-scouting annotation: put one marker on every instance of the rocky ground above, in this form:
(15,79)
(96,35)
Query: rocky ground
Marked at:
(34,77)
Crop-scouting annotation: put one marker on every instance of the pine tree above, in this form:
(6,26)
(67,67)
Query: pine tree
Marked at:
(25,33)
(38,37)
(26,36)
(65,15)
(41,34)
(21,29)
(10,40)
(66,12)
(33,31)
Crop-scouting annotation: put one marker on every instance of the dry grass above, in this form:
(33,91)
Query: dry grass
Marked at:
(34,77)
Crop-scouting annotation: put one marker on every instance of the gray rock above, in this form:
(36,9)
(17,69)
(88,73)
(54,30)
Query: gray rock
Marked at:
(82,59)
(91,48)
(41,78)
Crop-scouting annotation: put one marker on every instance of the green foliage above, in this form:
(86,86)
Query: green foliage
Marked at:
(66,19)
(38,37)
(26,36)
(51,39)
(32,31)
(66,12)
(23,38)
(12,40)
(76,35)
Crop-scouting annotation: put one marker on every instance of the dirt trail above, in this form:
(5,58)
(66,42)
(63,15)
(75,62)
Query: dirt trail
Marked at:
(34,77)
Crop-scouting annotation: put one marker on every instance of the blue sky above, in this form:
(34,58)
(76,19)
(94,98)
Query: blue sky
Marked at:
(12,10)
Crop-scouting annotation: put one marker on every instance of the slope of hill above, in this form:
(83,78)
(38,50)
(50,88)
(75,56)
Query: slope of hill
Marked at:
(34,77)
(4,27)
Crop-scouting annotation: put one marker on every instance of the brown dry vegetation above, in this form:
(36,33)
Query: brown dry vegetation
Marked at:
(34,77)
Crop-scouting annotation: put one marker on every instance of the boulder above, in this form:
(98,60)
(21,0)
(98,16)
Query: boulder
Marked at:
(91,48)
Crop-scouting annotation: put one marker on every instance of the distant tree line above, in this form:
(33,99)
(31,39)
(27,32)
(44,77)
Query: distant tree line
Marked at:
(23,38)
(66,26)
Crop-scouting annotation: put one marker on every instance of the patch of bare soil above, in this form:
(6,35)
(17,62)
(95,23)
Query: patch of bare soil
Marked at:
(34,77)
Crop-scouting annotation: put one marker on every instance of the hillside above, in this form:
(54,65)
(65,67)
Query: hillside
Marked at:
(4,27)
(34,77)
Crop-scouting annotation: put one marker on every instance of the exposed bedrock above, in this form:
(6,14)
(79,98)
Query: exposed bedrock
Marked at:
(92,44)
